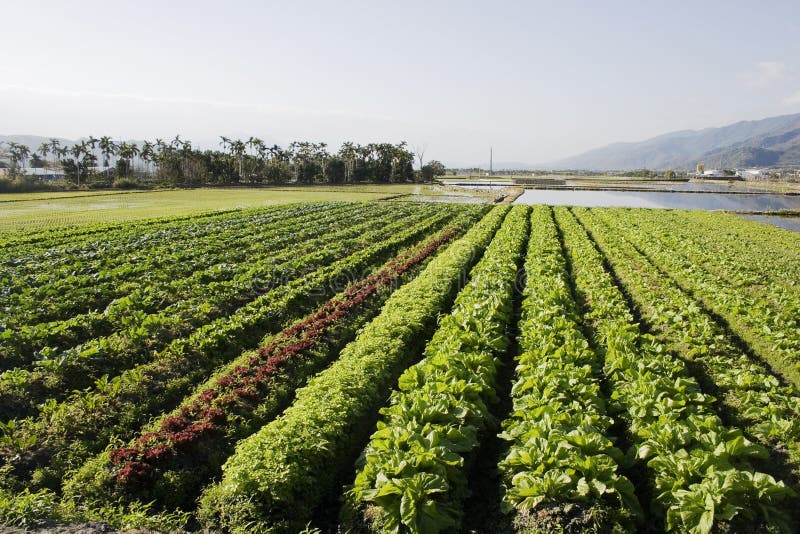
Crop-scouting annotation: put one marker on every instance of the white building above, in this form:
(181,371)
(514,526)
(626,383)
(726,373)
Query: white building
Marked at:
(714,173)
(752,174)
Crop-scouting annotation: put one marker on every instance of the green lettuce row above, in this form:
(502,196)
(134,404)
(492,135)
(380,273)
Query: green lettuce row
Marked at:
(71,289)
(76,280)
(559,450)
(278,477)
(152,293)
(76,305)
(46,238)
(699,469)
(79,366)
(63,243)
(66,433)
(762,244)
(117,238)
(181,473)
(769,329)
(412,476)
(769,410)
(766,273)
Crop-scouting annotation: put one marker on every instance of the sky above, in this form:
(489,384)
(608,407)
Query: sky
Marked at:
(534,80)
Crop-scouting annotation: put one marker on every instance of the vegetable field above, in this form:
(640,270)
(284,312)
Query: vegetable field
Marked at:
(403,367)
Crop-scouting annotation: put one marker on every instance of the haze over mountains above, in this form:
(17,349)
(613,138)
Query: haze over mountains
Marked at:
(771,142)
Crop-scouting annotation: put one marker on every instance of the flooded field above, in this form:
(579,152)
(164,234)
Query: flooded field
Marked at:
(646,199)
(790,223)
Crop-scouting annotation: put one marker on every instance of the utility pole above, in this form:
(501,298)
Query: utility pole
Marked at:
(490,161)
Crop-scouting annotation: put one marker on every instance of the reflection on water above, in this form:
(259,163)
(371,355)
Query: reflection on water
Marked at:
(646,199)
(790,223)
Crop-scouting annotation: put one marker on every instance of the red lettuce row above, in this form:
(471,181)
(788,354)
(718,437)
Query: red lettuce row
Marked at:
(278,477)
(68,433)
(79,366)
(239,397)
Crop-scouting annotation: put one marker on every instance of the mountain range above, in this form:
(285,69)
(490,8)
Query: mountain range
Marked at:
(771,142)
(33,141)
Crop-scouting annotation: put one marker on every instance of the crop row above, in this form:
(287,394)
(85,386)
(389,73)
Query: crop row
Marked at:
(63,296)
(23,343)
(67,432)
(80,264)
(79,366)
(611,428)
(162,464)
(280,476)
(775,244)
(257,272)
(699,470)
(770,331)
(560,455)
(413,474)
(771,276)
(768,410)
(18,245)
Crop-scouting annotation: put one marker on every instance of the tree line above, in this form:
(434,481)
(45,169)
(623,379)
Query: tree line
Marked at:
(178,163)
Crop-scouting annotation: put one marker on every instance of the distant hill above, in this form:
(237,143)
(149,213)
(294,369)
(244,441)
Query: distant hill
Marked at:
(763,143)
(33,141)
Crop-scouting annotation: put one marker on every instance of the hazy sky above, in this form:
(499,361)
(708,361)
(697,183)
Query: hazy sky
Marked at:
(536,80)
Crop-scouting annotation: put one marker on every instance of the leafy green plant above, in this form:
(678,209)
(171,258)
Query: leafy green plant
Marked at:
(278,476)
(160,466)
(768,410)
(412,475)
(687,449)
(559,449)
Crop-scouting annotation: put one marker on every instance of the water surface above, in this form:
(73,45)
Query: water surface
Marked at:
(647,199)
(790,223)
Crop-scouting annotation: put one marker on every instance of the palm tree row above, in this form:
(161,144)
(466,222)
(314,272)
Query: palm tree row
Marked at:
(239,161)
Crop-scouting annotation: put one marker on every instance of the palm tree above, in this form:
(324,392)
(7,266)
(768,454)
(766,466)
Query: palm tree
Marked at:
(134,151)
(185,148)
(61,153)
(348,153)
(79,150)
(18,154)
(238,148)
(54,149)
(260,149)
(147,154)
(24,152)
(322,155)
(186,152)
(108,149)
(44,149)
(127,151)
(160,152)
(92,142)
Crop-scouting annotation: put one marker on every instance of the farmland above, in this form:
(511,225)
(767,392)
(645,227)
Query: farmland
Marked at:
(400,367)
(24,212)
